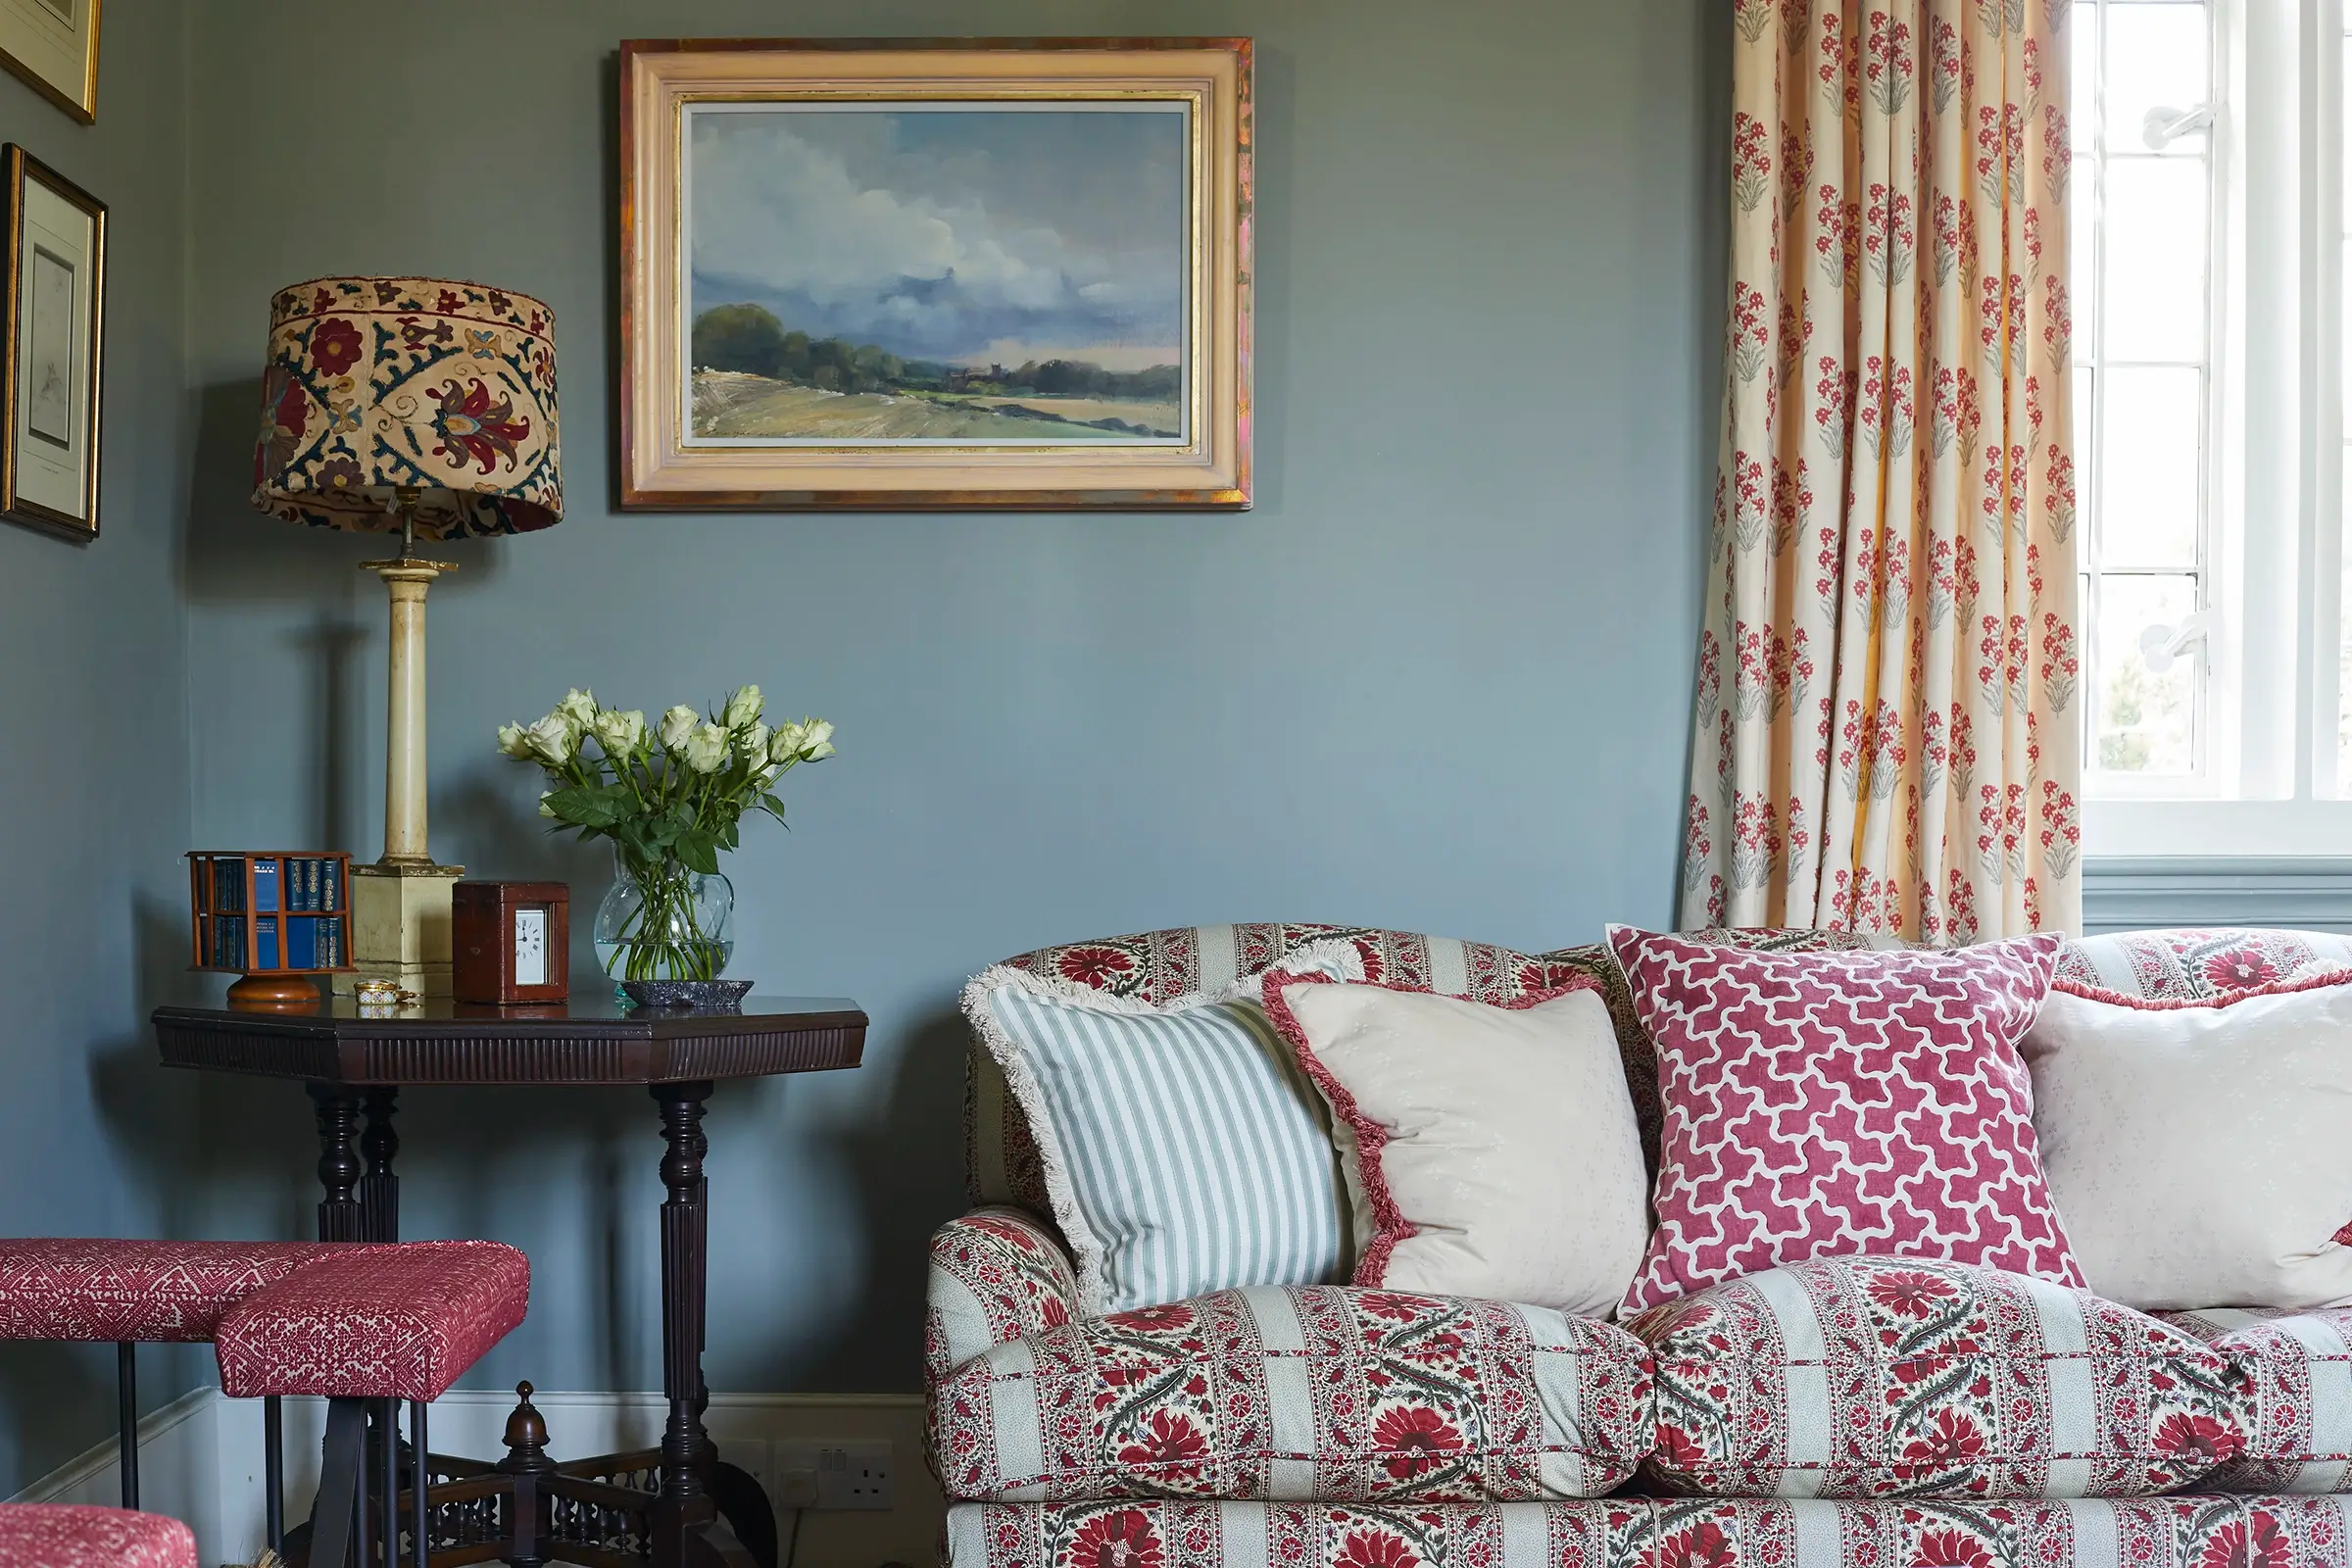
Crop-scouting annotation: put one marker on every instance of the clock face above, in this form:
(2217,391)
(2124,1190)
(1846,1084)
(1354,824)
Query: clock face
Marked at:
(530,947)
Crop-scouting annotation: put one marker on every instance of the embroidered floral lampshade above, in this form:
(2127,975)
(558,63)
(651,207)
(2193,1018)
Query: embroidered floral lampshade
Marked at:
(381,390)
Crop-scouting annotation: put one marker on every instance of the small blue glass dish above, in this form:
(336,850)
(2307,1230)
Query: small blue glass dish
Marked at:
(687,996)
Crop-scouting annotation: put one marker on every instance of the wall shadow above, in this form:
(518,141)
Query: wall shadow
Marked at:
(889,1177)
(232,554)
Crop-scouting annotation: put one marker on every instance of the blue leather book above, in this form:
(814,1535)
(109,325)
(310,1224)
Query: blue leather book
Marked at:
(264,884)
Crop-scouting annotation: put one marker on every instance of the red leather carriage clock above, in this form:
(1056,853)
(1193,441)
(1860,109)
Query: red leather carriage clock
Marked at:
(511,942)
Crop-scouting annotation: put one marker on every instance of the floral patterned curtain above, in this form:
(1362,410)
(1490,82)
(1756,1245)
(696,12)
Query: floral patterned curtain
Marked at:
(1887,738)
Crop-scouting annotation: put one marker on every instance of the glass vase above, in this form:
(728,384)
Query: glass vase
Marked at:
(661,921)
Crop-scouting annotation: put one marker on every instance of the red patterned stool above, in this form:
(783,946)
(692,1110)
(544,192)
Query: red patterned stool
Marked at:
(134,1293)
(382,1324)
(49,1535)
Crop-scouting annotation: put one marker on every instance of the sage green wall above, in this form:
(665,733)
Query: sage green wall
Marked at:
(1437,679)
(94,1137)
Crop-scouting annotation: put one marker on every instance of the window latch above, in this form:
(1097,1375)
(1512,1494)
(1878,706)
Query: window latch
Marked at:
(2164,124)
(2161,645)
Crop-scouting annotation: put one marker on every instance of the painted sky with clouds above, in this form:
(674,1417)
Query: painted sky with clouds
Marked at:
(959,235)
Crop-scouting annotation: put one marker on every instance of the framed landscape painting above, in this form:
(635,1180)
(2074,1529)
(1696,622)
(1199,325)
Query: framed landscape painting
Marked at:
(901,274)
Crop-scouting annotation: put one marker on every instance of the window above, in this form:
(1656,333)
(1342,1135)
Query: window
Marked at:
(2145,381)
(2210,270)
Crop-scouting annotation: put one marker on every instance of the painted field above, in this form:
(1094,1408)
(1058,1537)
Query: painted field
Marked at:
(735,404)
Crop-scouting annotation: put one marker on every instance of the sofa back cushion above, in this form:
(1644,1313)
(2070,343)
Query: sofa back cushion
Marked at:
(2185,965)
(1874,1377)
(1002,1164)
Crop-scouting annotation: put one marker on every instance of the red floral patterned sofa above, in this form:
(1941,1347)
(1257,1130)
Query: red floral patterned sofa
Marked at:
(1246,1429)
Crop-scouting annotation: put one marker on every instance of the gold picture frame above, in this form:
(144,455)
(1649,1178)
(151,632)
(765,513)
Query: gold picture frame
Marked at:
(50,352)
(935,273)
(53,44)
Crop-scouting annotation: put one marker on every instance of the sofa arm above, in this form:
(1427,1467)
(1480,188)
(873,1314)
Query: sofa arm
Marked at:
(996,1275)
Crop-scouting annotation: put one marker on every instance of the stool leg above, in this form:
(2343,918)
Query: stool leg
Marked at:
(273,1472)
(342,1468)
(126,1393)
(389,1475)
(419,1515)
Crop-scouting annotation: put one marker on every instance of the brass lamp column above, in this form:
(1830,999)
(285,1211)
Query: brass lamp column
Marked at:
(429,406)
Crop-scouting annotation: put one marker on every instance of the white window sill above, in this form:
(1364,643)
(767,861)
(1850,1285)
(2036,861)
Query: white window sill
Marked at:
(2115,829)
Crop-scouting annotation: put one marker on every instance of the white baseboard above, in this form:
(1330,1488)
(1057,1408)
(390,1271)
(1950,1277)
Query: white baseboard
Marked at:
(200,1459)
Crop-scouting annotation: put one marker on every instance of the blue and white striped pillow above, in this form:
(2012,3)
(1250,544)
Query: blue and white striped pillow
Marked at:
(1184,1150)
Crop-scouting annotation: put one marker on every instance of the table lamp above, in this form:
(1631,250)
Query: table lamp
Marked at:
(429,407)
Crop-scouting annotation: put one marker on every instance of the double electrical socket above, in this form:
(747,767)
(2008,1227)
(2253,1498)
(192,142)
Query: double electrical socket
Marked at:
(840,1473)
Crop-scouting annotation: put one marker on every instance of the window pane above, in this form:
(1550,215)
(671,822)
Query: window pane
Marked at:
(2083,113)
(2146,719)
(2081,261)
(2155,223)
(2343,681)
(2149,428)
(2155,60)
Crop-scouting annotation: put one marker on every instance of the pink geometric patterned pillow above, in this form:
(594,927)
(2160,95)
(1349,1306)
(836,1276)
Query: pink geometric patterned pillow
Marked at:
(1831,1104)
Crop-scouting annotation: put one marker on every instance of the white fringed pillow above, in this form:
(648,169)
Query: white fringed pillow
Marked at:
(1488,1150)
(2200,1152)
(1183,1151)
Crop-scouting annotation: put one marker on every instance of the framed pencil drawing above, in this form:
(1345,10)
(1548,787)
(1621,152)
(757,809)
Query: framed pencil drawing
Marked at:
(53,44)
(49,354)
(920,273)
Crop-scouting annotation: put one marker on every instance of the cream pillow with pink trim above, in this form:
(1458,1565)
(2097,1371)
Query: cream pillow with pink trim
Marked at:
(1491,1150)
(2200,1151)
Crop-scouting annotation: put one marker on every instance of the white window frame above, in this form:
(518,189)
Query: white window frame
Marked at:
(2266,785)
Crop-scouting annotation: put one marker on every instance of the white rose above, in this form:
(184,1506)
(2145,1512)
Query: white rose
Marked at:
(580,706)
(620,733)
(752,745)
(676,724)
(512,741)
(818,745)
(743,707)
(551,740)
(784,745)
(707,749)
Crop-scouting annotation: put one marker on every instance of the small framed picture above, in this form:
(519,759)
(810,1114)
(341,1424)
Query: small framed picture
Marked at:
(53,44)
(56,306)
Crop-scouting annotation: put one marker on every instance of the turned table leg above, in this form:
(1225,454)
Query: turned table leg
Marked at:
(379,1190)
(340,1218)
(684,1509)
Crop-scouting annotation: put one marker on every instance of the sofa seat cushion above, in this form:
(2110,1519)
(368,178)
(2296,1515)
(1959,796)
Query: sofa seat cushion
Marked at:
(1873,1377)
(1305,1392)
(2299,1438)
(2180,1531)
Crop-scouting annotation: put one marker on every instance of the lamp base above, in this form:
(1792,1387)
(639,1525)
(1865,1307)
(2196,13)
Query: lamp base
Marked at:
(401,925)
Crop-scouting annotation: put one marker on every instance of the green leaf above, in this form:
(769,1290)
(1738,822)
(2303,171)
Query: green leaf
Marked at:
(588,805)
(696,854)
